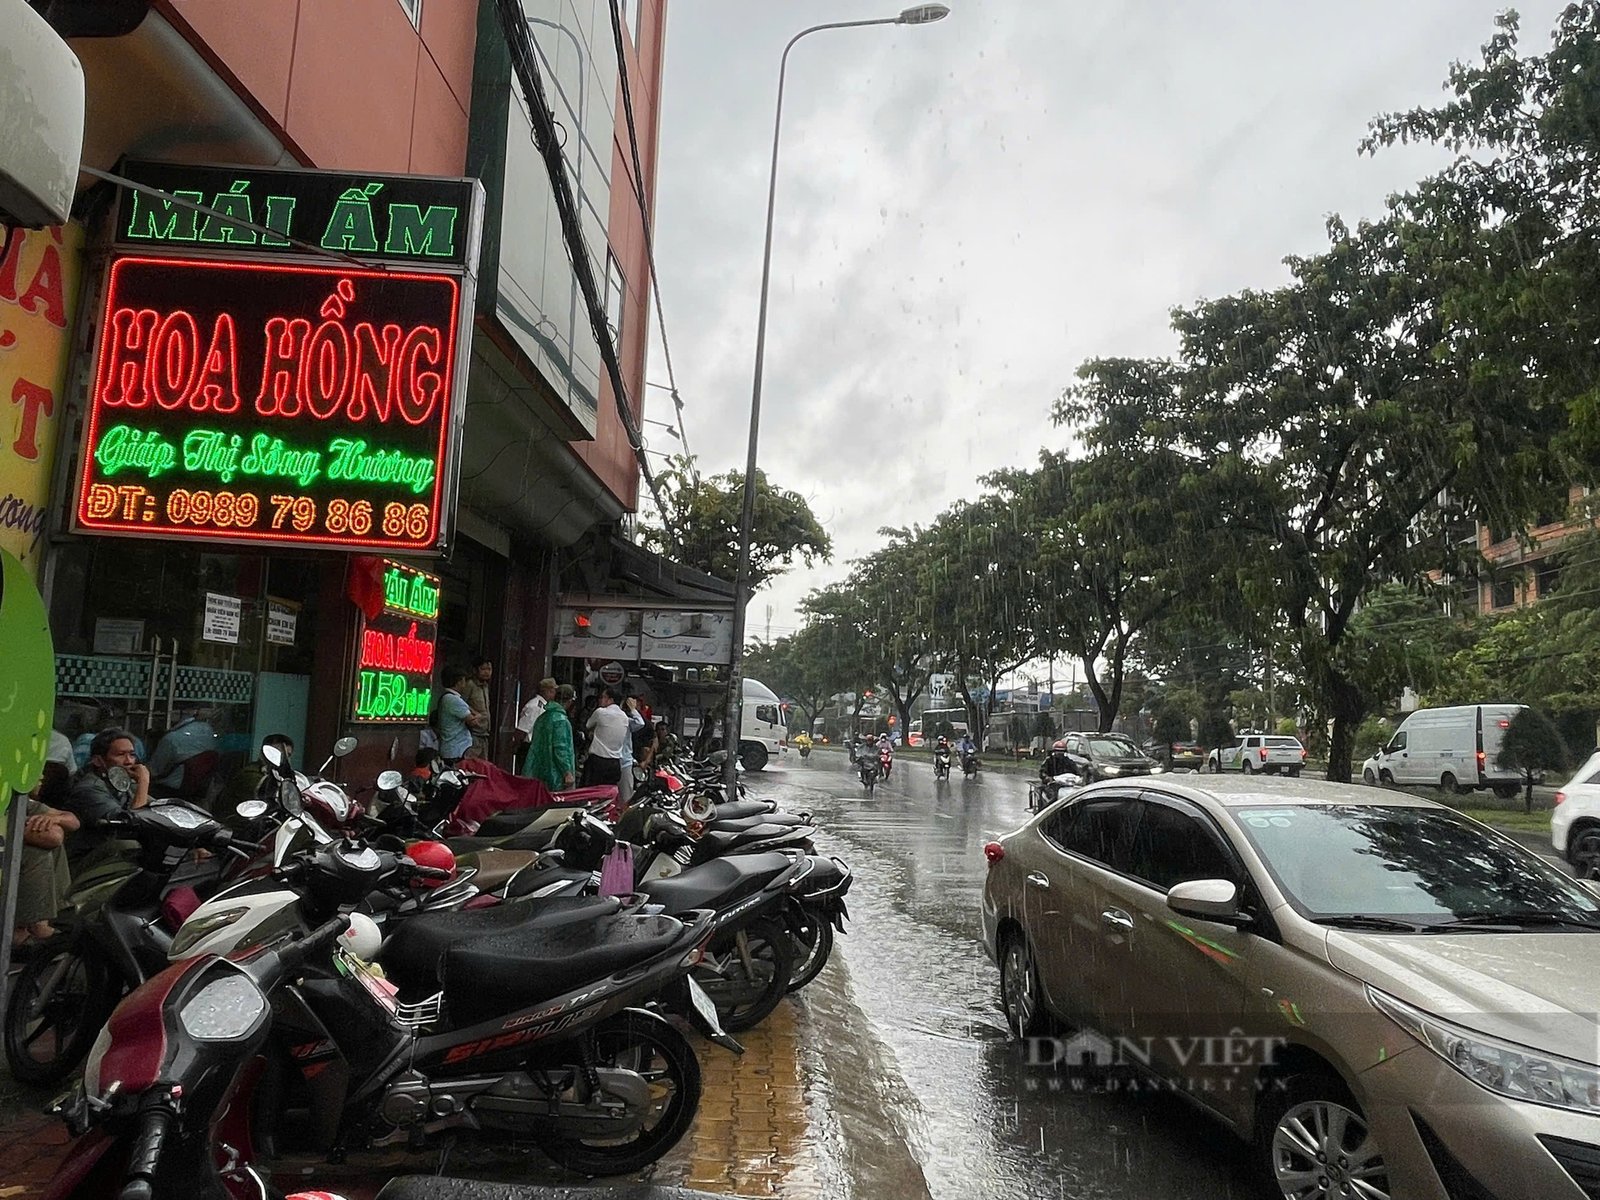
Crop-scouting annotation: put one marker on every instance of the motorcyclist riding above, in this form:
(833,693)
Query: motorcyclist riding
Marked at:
(885,754)
(968,750)
(1056,763)
(941,758)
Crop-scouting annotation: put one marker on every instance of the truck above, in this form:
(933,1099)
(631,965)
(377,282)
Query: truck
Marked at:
(1452,748)
(763,729)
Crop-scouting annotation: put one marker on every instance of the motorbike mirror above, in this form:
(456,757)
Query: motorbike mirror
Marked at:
(343,746)
(272,755)
(251,809)
(120,779)
(719,757)
(389,780)
(698,807)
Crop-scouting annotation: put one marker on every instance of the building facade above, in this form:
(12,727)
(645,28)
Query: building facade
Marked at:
(316,634)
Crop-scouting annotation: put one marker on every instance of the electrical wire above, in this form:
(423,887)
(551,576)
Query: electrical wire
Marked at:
(524,62)
(636,177)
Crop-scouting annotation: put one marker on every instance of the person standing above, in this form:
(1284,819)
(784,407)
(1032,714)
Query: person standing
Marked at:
(191,737)
(457,722)
(630,707)
(550,756)
(476,693)
(530,714)
(608,730)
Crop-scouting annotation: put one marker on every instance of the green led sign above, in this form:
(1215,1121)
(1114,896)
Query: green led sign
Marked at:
(421,220)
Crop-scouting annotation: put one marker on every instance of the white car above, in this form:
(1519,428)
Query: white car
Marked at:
(1267,753)
(1575,824)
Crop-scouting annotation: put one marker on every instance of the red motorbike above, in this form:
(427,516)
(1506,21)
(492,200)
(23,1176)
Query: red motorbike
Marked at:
(886,761)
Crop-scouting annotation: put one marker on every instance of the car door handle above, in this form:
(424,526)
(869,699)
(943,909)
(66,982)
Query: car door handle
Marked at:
(1116,918)
(1038,879)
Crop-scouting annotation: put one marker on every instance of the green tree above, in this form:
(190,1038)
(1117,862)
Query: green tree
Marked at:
(700,527)
(976,575)
(806,667)
(1319,424)
(1532,745)
(1516,210)
(1104,558)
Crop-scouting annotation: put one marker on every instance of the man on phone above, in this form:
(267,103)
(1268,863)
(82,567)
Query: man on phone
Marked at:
(113,782)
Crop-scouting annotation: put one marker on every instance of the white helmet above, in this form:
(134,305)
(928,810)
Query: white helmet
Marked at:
(363,938)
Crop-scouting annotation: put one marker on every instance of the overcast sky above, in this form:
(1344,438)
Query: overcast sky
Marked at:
(968,210)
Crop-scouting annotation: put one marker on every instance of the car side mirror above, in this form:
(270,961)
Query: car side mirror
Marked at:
(1209,900)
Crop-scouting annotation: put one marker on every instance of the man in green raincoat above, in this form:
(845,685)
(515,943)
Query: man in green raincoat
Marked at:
(550,754)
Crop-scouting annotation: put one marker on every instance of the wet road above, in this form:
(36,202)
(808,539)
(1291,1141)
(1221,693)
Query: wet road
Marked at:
(978,1118)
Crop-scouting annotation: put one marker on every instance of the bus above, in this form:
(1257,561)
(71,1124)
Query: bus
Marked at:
(936,720)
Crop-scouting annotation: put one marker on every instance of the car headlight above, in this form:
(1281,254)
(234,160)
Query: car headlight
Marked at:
(1110,770)
(195,930)
(1504,1068)
(1157,769)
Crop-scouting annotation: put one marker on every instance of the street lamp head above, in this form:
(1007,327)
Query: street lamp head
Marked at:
(923,14)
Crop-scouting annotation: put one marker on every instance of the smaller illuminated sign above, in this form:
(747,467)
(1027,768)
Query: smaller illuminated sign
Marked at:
(395,650)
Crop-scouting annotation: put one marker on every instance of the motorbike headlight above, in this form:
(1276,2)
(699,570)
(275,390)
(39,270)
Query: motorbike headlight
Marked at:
(1505,1068)
(227,1007)
(197,929)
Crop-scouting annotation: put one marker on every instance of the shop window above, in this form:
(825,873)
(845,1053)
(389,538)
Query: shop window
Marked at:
(1504,593)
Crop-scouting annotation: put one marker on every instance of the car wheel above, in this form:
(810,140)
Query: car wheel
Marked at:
(1019,989)
(1386,778)
(1450,783)
(1368,778)
(1506,791)
(754,757)
(1247,768)
(1214,766)
(1583,850)
(1313,1140)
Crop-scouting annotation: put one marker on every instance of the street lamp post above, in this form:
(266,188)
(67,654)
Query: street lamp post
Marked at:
(920,14)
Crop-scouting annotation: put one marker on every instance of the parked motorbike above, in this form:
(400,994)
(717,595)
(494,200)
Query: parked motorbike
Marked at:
(152,1113)
(523,1018)
(65,993)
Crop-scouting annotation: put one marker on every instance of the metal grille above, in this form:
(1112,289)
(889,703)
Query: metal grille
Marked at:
(99,677)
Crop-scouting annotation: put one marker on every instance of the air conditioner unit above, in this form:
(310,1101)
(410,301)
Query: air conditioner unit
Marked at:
(41,119)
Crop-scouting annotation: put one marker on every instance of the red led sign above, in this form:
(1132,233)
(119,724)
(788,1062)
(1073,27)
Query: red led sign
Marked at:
(248,402)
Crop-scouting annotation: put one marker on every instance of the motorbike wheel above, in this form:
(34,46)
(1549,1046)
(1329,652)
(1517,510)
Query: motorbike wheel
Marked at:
(814,946)
(664,1057)
(55,1012)
(743,1001)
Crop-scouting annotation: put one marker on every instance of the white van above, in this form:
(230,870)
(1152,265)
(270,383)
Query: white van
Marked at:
(1453,748)
(763,734)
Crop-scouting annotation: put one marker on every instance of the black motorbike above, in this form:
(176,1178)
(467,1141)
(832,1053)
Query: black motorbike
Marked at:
(941,763)
(529,1019)
(969,764)
(116,936)
(867,768)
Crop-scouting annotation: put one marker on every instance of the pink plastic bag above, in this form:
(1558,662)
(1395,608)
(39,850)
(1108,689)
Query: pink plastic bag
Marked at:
(616,873)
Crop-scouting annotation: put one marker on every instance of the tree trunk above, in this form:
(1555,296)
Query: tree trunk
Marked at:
(1339,746)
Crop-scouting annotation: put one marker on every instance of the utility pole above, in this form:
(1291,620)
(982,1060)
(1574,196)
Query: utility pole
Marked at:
(769,625)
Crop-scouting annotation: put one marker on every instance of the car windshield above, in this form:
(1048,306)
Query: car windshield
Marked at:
(1106,747)
(1422,866)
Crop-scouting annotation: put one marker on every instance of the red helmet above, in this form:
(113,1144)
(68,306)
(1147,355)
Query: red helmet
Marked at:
(1060,744)
(432,854)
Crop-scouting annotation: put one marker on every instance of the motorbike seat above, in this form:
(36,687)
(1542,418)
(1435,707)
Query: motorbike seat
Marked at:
(718,883)
(413,954)
(742,824)
(494,976)
(525,839)
(721,841)
(735,810)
